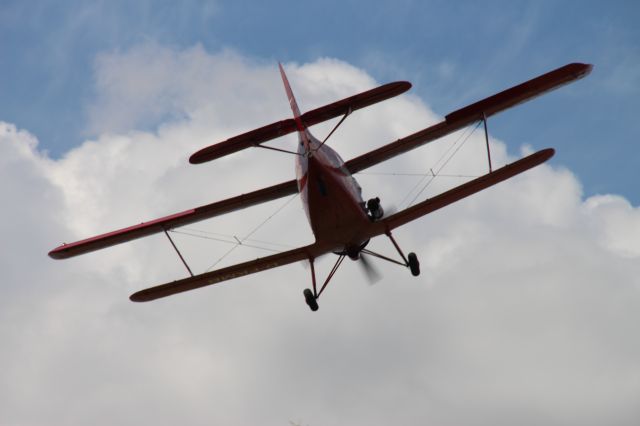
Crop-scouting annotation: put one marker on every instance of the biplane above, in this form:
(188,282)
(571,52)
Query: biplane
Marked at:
(342,222)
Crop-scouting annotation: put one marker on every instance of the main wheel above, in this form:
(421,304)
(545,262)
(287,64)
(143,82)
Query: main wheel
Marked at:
(310,299)
(414,264)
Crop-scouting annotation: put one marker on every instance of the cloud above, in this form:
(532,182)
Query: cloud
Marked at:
(525,311)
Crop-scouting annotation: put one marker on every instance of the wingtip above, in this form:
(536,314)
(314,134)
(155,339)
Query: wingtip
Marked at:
(194,159)
(584,69)
(202,156)
(406,85)
(137,297)
(57,253)
(147,294)
(544,155)
(548,153)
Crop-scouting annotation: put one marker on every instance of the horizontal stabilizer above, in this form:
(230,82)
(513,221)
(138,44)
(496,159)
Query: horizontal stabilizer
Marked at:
(310,118)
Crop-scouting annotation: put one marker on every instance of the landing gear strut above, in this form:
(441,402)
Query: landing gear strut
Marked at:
(410,261)
(311,297)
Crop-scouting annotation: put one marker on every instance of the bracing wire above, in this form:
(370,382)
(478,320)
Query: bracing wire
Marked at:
(246,243)
(426,175)
(224,238)
(241,241)
(439,169)
(414,174)
(444,159)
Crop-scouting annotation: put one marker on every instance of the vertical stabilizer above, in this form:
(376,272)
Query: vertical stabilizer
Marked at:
(292,99)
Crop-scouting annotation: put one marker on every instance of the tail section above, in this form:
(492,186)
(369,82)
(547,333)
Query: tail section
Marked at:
(292,99)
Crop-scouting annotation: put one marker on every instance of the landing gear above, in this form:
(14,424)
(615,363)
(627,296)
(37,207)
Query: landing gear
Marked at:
(410,261)
(310,299)
(413,264)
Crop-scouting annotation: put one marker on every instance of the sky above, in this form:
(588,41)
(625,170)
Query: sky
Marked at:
(526,307)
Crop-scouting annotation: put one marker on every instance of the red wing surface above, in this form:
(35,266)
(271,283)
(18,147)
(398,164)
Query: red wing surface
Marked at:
(454,121)
(228,273)
(244,141)
(458,193)
(377,228)
(179,219)
(354,102)
(522,92)
(472,113)
(281,128)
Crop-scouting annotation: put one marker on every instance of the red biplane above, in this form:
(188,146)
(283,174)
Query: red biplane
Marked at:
(342,222)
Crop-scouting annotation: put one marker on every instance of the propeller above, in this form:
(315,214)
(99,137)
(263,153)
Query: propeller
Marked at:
(370,271)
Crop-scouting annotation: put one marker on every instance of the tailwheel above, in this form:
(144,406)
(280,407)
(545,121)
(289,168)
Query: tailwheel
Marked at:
(414,264)
(310,299)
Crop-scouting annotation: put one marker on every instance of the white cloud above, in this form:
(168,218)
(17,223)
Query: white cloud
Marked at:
(525,312)
(615,223)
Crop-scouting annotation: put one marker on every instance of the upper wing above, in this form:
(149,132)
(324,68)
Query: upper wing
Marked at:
(228,273)
(179,219)
(318,115)
(472,113)
(454,121)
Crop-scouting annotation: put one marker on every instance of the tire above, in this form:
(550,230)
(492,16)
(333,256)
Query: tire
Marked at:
(310,299)
(414,264)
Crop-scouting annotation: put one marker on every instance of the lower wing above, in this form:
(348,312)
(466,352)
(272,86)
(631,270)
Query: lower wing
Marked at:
(407,215)
(172,221)
(235,271)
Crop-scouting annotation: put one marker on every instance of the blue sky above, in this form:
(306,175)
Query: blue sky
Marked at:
(453,52)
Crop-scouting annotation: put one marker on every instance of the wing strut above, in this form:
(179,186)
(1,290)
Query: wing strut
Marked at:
(486,138)
(184,262)
(344,117)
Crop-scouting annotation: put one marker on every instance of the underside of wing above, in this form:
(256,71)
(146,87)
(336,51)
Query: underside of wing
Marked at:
(472,113)
(355,102)
(230,272)
(310,118)
(244,141)
(172,221)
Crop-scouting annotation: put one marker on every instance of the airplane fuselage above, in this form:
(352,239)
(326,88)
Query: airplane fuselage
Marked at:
(331,196)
